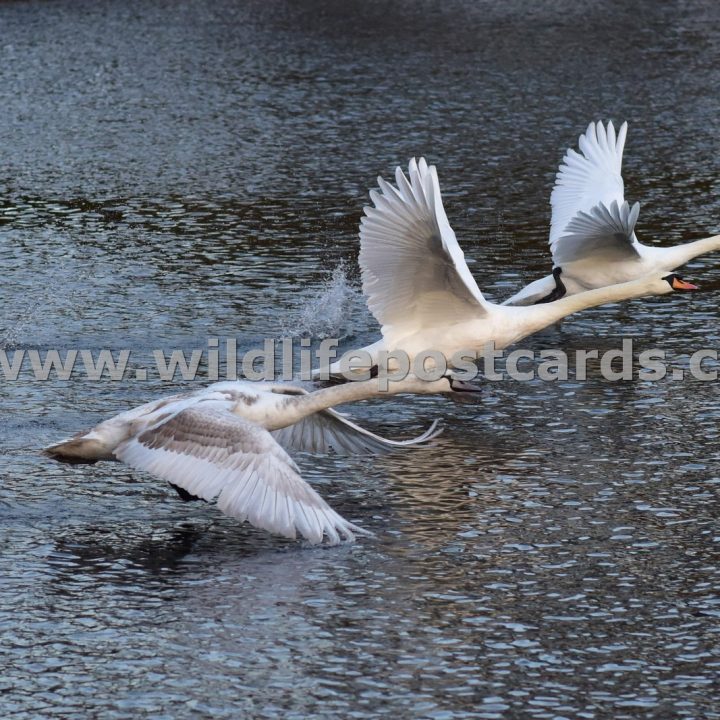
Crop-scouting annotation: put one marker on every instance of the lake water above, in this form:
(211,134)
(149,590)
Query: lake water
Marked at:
(174,171)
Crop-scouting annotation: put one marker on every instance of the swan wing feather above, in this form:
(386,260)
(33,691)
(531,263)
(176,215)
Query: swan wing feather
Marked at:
(585,180)
(605,232)
(214,454)
(329,430)
(413,270)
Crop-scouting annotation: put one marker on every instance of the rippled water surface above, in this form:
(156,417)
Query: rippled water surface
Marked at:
(174,171)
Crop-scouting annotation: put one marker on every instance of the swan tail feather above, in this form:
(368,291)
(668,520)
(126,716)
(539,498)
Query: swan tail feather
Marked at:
(82,448)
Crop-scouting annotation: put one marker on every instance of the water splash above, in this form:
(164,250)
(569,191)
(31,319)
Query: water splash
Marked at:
(333,311)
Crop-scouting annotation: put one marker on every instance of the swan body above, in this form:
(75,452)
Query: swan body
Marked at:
(419,288)
(228,441)
(592,230)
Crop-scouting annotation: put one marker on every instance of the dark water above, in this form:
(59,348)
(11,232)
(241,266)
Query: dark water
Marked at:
(183,170)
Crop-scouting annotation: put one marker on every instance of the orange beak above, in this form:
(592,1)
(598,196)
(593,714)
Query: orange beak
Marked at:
(682,285)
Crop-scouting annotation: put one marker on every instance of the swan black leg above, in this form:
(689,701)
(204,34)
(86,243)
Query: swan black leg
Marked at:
(184,494)
(558,291)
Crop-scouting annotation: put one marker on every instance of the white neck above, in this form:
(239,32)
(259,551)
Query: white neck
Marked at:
(297,407)
(674,257)
(537,317)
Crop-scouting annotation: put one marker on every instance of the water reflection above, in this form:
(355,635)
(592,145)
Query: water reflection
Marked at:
(174,173)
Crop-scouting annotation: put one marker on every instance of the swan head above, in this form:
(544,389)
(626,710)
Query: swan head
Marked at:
(677,283)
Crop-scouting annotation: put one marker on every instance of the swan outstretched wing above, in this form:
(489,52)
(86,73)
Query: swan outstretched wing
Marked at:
(606,232)
(413,270)
(214,454)
(329,430)
(586,180)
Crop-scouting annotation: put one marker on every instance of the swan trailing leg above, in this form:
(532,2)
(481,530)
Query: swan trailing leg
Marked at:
(559,291)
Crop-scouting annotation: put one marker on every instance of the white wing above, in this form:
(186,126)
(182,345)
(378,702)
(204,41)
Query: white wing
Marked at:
(413,269)
(606,232)
(328,430)
(214,454)
(585,181)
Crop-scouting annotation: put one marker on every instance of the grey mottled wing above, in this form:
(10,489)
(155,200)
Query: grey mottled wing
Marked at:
(215,454)
(329,430)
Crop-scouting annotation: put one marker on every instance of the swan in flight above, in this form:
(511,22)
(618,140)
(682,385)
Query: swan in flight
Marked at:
(592,230)
(419,288)
(228,441)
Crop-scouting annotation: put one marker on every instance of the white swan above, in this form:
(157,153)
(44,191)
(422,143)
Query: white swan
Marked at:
(592,231)
(226,441)
(419,287)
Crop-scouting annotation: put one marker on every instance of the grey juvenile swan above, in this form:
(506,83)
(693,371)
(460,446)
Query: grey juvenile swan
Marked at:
(228,441)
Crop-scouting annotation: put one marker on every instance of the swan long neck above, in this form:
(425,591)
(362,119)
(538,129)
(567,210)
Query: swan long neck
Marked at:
(538,317)
(297,407)
(680,254)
